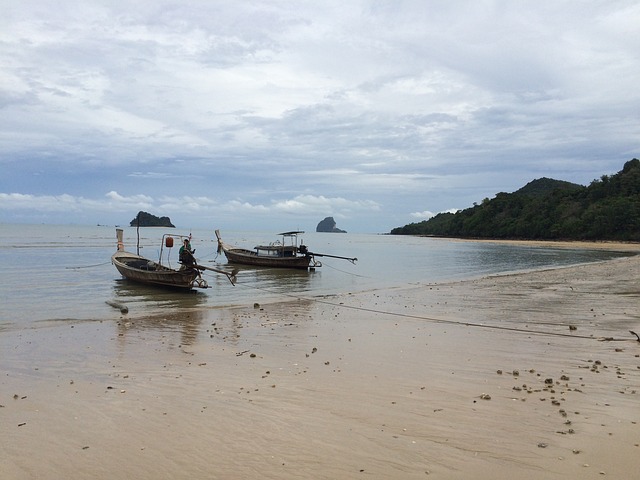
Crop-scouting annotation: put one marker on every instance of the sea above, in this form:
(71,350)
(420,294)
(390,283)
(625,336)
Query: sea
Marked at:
(62,273)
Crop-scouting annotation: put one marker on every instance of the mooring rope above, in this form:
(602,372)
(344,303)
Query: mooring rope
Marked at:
(88,266)
(344,271)
(434,319)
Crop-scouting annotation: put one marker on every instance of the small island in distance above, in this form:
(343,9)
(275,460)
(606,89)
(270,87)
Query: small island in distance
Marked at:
(328,225)
(147,220)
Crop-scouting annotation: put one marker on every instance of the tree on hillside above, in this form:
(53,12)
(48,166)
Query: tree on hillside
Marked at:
(608,209)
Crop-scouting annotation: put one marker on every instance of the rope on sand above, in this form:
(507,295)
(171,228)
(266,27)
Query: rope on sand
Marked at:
(441,320)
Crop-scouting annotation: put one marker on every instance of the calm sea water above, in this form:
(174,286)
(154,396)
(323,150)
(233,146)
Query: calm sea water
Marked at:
(56,273)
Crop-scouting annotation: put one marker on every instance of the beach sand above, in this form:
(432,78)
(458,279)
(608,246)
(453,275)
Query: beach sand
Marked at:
(528,376)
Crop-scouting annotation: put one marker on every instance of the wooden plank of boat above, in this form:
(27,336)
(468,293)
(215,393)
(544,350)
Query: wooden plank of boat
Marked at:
(137,268)
(277,255)
(274,255)
(248,257)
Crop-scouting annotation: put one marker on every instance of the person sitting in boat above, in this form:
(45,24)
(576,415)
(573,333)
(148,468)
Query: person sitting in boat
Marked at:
(185,255)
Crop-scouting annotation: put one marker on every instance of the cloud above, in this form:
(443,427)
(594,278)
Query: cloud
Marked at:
(45,203)
(311,204)
(426,214)
(362,109)
(422,215)
(187,206)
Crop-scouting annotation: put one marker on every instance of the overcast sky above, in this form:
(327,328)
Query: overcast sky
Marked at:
(272,115)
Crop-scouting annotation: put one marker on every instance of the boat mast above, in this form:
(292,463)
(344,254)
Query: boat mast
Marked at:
(119,238)
(138,232)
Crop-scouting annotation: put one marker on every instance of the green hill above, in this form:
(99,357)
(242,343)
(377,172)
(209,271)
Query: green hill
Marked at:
(544,186)
(547,209)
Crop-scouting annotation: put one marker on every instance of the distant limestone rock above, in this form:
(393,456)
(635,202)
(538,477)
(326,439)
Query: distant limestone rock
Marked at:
(148,220)
(328,225)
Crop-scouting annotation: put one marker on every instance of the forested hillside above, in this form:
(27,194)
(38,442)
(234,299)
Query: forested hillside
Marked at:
(607,209)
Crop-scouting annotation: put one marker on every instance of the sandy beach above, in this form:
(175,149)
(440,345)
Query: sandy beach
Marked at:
(530,376)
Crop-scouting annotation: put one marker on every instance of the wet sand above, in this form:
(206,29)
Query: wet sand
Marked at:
(528,376)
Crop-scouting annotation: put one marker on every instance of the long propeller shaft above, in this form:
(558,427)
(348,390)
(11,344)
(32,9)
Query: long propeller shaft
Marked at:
(351,259)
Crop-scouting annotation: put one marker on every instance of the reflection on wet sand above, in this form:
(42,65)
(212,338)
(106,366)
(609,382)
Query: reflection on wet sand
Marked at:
(278,281)
(175,318)
(149,297)
(249,323)
(185,324)
(215,326)
(177,311)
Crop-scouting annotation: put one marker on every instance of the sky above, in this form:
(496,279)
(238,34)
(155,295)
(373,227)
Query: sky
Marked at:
(272,115)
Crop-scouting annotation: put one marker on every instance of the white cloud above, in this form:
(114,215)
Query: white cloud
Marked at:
(47,203)
(130,200)
(311,204)
(263,108)
(425,215)
(187,206)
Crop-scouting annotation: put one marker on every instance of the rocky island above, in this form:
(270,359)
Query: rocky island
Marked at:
(328,225)
(144,219)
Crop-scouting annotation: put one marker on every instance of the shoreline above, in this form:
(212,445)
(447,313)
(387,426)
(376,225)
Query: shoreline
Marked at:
(473,378)
(580,244)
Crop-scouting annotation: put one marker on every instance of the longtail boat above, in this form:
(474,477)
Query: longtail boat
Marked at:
(137,268)
(287,253)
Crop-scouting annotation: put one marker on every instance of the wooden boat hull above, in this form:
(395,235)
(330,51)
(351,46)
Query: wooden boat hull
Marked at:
(139,269)
(248,257)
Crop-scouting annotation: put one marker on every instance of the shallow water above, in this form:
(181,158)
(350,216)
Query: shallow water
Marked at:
(54,274)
